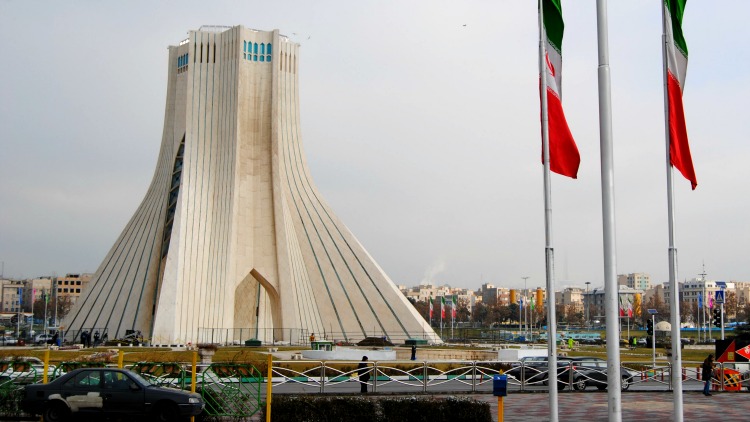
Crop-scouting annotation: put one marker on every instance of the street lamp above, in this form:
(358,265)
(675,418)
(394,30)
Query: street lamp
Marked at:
(588,300)
(527,307)
(653,337)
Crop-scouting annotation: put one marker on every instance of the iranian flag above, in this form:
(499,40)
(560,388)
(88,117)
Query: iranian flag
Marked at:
(677,57)
(453,307)
(442,307)
(563,152)
(430,308)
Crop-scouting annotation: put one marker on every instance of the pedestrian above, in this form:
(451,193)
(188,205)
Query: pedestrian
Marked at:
(96,338)
(707,372)
(85,338)
(413,352)
(364,374)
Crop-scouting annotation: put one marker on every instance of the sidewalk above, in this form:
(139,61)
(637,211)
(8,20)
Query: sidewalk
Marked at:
(636,406)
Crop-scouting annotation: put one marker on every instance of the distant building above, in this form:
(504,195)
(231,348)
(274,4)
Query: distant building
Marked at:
(742,289)
(72,285)
(492,295)
(37,288)
(572,296)
(656,291)
(424,292)
(637,281)
(12,295)
(594,300)
(690,290)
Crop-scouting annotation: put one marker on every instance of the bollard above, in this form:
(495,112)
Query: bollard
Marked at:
(193,368)
(500,389)
(46,366)
(268,387)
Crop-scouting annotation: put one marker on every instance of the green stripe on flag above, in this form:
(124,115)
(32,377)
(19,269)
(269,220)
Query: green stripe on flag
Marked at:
(676,10)
(553,23)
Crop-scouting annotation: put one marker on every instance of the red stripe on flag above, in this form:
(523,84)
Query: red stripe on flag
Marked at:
(679,149)
(564,158)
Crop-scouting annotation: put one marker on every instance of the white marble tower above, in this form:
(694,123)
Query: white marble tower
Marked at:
(233,240)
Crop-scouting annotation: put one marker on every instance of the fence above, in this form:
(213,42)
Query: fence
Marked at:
(453,376)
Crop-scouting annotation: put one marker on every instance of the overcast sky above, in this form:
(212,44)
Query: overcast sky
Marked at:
(420,120)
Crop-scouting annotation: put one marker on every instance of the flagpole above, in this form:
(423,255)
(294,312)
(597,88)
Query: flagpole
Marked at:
(549,251)
(430,312)
(46,299)
(611,290)
(674,290)
(700,309)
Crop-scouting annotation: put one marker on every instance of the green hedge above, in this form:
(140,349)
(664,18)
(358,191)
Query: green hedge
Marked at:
(377,409)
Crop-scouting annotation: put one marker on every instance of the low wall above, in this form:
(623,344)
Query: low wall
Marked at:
(404,353)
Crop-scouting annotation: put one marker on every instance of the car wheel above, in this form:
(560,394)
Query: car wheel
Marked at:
(625,383)
(56,412)
(579,384)
(166,412)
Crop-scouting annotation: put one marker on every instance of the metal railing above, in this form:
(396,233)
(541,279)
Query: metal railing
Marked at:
(296,376)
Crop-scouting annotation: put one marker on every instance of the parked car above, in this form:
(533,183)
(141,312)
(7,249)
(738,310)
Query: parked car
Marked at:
(105,392)
(593,371)
(43,338)
(533,370)
(642,341)
(8,341)
(25,370)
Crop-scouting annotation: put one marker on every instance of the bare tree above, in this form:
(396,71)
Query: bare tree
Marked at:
(730,306)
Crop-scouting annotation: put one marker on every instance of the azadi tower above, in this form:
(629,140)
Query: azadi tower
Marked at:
(233,239)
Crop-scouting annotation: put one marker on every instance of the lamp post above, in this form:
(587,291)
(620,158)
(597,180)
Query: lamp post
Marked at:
(653,338)
(526,309)
(587,303)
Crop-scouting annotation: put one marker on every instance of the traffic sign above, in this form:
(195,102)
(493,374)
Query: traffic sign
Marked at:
(744,352)
(721,284)
(652,311)
(719,296)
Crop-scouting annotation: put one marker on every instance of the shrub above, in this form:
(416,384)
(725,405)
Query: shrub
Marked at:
(10,400)
(455,409)
(321,409)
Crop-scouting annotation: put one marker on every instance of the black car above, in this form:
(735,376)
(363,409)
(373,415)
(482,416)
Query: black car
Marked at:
(102,392)
(533,370)
(593,371)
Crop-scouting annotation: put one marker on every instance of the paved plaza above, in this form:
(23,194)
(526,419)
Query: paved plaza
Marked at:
(636,406)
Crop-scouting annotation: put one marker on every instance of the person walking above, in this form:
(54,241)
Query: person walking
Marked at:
(413,352)
(707,371)
(364,375)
